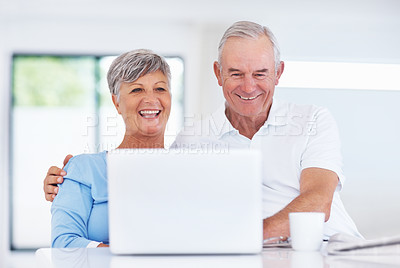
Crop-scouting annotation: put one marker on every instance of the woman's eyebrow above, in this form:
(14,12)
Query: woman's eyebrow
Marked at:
(134,83)
(140,84)
(161,82)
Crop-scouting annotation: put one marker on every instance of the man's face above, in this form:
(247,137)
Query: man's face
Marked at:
(247,76)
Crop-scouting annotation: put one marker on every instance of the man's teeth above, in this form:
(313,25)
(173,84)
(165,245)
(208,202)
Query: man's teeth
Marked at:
(149,112)
(251,98)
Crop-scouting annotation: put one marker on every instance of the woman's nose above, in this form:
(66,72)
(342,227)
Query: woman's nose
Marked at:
(150,97)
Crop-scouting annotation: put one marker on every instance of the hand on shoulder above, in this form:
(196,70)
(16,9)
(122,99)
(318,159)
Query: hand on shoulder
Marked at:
(53,177)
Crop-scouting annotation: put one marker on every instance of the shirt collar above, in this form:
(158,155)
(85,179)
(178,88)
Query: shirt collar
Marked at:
(278,114)
(222,123)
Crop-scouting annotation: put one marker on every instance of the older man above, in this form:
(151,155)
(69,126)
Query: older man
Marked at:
(300,144)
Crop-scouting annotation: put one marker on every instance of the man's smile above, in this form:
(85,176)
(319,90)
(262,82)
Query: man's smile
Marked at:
(247,98)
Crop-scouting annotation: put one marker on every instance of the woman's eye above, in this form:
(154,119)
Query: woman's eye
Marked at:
(136,90)
(160,89)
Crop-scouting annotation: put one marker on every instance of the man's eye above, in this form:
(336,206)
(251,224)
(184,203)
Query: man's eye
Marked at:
(236,74)
(259,76)
(136,90)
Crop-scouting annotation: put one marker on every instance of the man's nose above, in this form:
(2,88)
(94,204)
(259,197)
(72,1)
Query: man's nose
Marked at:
(248,83)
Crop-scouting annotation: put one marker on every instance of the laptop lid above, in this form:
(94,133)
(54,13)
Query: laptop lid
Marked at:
(181,202)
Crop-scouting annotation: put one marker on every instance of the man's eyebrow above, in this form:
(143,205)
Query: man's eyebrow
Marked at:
(262,71)
(230,70)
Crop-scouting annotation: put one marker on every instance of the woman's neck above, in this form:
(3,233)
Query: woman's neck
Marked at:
(131,141)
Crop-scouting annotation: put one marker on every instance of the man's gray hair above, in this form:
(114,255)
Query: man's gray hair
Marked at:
(130,66)
(249,30)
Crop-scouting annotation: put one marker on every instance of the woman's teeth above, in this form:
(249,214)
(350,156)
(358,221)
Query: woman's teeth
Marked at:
(149,114)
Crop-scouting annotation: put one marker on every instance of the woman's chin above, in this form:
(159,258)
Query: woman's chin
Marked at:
(144,127)
(152,130)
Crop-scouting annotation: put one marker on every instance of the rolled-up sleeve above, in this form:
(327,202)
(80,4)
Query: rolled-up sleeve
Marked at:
(71,210)
(323,147)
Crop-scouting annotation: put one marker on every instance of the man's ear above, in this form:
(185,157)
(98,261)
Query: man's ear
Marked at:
(217,72)
(281,67)
(116,103)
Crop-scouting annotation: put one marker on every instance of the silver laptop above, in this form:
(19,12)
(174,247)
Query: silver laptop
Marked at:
(184,202)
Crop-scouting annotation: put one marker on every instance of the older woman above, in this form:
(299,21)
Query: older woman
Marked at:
(139,83)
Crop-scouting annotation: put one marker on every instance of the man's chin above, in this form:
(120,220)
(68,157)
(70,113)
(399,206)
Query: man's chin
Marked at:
(250,113)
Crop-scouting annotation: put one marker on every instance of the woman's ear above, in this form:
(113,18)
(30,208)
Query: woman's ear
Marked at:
(116,102)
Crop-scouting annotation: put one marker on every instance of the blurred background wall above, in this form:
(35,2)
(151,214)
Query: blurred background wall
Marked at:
(356,31)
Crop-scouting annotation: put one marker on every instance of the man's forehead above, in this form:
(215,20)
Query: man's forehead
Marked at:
(254,62)
(245,49)
(236,41)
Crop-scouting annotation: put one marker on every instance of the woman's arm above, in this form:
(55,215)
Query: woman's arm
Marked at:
(70,214)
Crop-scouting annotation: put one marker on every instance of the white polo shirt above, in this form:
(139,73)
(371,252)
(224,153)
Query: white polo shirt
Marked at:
(293,138)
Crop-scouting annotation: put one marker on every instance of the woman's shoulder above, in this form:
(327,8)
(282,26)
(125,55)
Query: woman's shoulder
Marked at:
(93,157)
(87,159)
(85,167)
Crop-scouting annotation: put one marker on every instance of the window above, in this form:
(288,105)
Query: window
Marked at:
(341,75)
(61,105)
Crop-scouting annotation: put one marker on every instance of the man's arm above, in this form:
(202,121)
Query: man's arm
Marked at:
(53,177)
(317,187)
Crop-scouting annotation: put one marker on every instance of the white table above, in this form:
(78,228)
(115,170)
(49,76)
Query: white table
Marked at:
(272,257)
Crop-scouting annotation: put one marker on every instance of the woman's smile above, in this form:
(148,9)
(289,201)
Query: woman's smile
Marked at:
(149,114)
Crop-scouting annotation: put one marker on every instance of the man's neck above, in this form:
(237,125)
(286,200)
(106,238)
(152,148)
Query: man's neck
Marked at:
(247,126)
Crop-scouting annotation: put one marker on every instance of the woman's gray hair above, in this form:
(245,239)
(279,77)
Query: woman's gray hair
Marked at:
(130,66)
(249,30)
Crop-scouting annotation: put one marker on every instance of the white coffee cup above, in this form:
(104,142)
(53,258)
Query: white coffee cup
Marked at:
(306,230)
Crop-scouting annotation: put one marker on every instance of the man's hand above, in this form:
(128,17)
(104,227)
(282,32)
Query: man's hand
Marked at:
(53,177)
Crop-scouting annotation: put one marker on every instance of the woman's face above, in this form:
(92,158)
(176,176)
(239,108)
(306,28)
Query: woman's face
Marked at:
(145,105)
